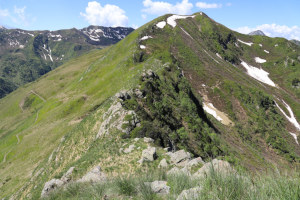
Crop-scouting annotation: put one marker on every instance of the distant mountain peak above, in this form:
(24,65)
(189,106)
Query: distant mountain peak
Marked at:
(257,32)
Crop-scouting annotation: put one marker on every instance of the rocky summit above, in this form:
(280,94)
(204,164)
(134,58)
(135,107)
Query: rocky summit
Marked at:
(180,108)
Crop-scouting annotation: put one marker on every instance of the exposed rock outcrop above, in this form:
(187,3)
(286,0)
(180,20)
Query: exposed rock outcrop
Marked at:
(94,176)
(163,163)
(219,166)
(148,140)
(68,175)
(50,186)
(129,149)
(190,194)
(148,154)
(160,187)
(179,156)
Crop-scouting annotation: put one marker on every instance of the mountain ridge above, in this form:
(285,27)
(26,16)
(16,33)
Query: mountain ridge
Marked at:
(200,73)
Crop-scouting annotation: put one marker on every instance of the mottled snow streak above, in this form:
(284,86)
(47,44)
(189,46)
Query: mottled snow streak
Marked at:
(209,108)
(295,137)
(161,24)
(172,20)
(146,37)
(219,55)
(292,119)
(211,56)
(260,60)
(186,33)
(247,43)
(266,51)
(142,46)
(258,74)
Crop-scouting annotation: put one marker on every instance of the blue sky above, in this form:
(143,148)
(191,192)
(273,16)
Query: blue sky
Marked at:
(274,17)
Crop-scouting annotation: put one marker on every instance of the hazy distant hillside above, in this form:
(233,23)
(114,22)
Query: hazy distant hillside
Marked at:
(26,55)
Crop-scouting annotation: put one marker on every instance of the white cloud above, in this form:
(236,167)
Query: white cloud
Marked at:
(134,26)
(4,13)
(205,5)
(274,30)
(160,7)
(21,16)
(144,16)
(107,15)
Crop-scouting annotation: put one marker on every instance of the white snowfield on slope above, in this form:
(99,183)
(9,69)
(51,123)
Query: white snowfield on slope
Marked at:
(172,20)
(259,74)
(259,60)
(209,108)
(247,43)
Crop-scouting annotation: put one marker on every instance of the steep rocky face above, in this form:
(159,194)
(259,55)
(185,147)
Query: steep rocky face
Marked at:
(258,32)
(27,55)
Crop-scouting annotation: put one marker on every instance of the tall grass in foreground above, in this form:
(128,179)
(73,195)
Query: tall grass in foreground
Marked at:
(214,186)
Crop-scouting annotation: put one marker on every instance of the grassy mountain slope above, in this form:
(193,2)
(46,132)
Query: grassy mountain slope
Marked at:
(51,124)
(27,55)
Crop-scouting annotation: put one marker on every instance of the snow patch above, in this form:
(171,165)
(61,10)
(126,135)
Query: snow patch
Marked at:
(211,56)
(50,55)
(172,20)
(266,51)
(209,108)
(247,43)
(260,45)
(142,46)
(219,55)
(146,37)
(21,46)
(260,60)
(259,74)
(295,137)
(161,24)
(276,45)
(187,33)
(292,119)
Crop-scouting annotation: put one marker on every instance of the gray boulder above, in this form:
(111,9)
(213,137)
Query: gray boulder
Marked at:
(50,186)
(160,187)
(94,176)
(139,94)
(123,95)
(149,154)
(190,194)
(68,175)
(218,166)
(179,156)
(148,140)
(194,162)
(179,171)
(163,163)
(129,149)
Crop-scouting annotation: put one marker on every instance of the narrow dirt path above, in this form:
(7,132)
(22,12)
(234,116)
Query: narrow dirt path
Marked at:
(37,115)
(33,92)
(4,158)
(18,138)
